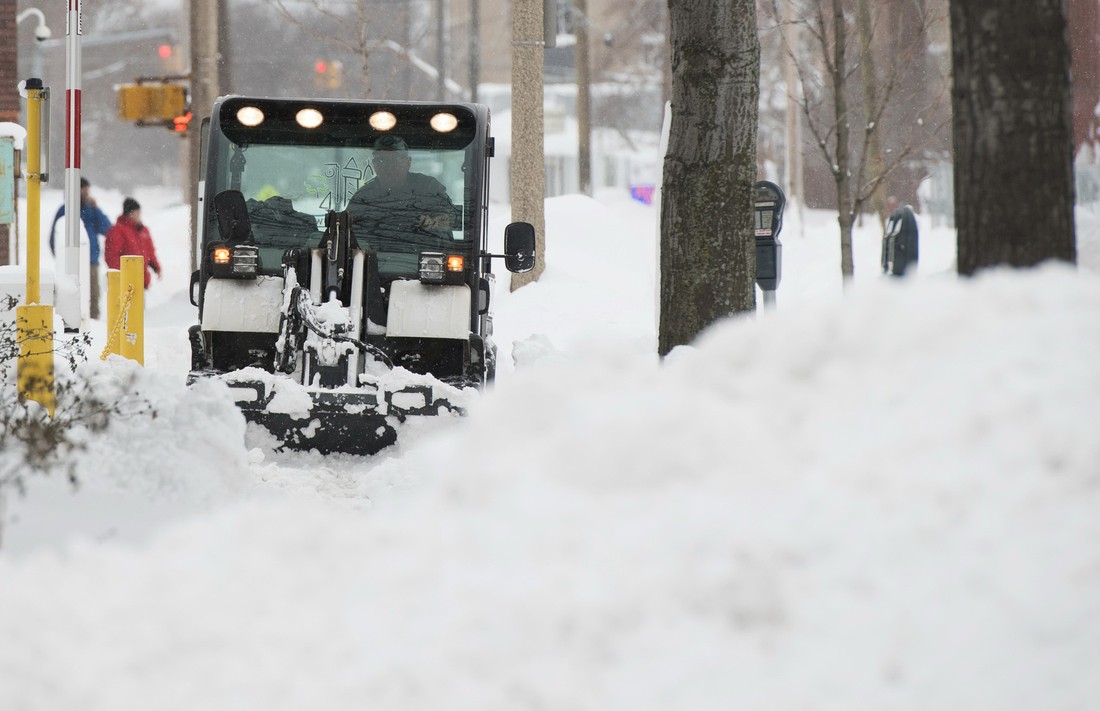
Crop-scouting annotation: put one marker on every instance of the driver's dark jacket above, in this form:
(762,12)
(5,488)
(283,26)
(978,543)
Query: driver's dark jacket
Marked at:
(388,219)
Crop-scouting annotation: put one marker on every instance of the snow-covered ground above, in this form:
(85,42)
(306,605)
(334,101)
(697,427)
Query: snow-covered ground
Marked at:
(876,497)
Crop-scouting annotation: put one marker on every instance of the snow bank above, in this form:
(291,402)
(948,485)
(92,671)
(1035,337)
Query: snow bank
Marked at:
(175,449)
(885,505)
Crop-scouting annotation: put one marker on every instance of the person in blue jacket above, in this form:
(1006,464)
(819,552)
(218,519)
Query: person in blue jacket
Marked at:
(96,223)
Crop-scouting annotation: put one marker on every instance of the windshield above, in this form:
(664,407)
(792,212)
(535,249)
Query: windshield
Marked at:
(402,197)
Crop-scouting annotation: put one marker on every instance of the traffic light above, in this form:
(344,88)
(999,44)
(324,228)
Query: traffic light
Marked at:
(169,58)
(180,124)
(155,104)
(328,74)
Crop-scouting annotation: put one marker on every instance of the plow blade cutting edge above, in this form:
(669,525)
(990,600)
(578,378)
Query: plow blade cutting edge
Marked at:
(350,421)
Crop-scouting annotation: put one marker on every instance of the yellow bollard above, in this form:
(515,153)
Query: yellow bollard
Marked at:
(34,328)
(35,93)
(34,321)
(114,308)
(132,339)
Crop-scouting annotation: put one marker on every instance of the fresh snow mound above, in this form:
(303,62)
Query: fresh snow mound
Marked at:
(890,503)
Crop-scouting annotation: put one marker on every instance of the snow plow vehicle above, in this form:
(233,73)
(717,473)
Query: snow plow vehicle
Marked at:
(344,281)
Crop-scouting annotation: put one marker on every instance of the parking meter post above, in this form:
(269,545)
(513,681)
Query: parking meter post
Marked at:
(769,203)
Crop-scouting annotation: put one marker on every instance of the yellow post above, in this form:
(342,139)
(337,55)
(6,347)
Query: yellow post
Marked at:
(34,369)
(133,313)
(114,308)
(34,321)
(35,93)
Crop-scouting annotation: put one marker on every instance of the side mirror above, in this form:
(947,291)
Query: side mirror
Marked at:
(519,247)
(234,224)
(195,288)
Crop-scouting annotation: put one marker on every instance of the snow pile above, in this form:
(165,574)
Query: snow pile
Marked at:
(597,295)
(194,435)
(171,450)
(888,504)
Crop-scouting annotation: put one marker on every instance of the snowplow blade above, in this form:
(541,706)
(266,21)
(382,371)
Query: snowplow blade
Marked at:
(359,421)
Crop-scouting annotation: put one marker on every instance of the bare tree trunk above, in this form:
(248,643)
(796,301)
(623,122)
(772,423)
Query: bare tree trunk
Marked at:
(1013,133)
(842,167)
(584,114)
(1084,42)
(793,161)
(708,262)
(869,84)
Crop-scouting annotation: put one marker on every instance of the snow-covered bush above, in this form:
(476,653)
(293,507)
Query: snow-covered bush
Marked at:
(31,441)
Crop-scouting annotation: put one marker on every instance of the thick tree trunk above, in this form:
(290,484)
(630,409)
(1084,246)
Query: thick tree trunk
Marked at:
(708,262)
(1013,135)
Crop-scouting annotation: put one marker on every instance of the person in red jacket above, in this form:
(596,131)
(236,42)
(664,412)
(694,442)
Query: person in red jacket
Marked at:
(129,237)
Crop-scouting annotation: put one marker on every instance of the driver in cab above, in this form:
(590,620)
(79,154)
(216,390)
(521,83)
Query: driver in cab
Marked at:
(398,205)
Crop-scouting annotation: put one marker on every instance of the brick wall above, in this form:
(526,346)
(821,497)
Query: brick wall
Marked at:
(9,54)
(9,94)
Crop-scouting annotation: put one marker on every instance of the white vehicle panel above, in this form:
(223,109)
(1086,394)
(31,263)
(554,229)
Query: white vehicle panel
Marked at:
(428,311)
(246,305)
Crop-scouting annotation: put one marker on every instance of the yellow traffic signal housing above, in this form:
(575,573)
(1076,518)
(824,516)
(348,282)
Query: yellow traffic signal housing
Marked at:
(152,103)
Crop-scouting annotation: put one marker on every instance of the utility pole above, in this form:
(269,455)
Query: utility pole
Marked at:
(584,98)
(528,184)
(406,42)
(440,51)
(475,48)
(204,89)
(225,37)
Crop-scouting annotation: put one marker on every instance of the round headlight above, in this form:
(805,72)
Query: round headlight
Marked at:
(309,118)
(250,116)
(382,120)
(444,122)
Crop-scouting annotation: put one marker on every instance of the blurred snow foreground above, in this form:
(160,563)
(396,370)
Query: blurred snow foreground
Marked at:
(885,503)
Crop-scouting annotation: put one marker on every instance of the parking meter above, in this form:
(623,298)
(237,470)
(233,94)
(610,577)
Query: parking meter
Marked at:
(769,251)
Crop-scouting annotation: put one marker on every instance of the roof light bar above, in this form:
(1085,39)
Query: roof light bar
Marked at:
(444,122)
(382,120)
(309,118)
(250,116)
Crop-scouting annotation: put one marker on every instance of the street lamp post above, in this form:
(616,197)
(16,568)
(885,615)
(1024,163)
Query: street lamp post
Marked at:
(41,34)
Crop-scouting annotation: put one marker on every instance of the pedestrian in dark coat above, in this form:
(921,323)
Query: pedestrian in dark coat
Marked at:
(130,238)
(900,242)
